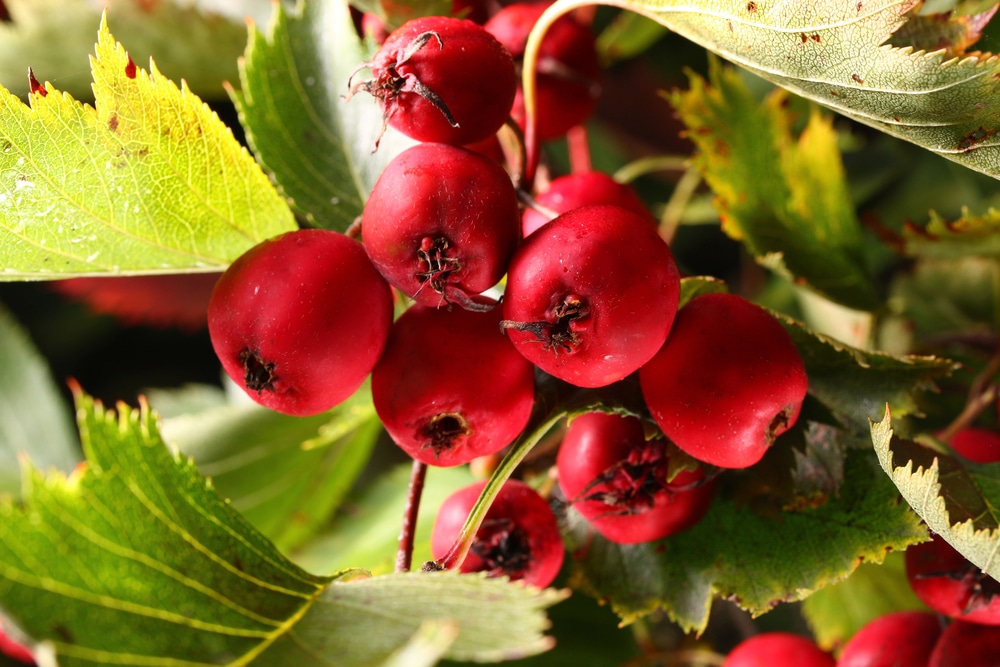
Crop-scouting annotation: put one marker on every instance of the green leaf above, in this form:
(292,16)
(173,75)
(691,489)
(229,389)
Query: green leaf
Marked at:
(135,560)
(286,475)
(366,532)
(199,43)
(799,220)
(318,146)
(856,384)
(34,417)
(148,181)
(627,36)
(366,621)
(957,499)
(836,612)
(834,52)
(757,560)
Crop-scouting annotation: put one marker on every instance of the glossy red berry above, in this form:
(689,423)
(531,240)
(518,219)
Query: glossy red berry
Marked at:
(583,189)
(299,320)
(442,79)
(951,585)
(979,445)
(519,537)
(441,224)
(770,649)
(967,645)
(899,639)
(591,296)
(617,479)
(450,387)
(728,381)
(568,67)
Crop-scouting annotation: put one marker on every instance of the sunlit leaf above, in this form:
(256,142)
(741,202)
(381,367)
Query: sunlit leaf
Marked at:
(134,559)
(957,499)
(319,146)
(286,475)
(147,181)
(836,53)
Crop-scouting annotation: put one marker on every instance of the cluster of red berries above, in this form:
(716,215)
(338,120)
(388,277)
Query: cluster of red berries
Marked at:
(590,298)
(898,639)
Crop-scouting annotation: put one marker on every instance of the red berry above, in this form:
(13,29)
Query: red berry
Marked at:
(967,645)
(13,649)
(442,79)
(771,649)
(591,296)
(568,67)
(728,381)
(519,537)
(299,320)
(617,479)
(979,445)
(441,224)
(900,639)
(583,189)
(450,387)
(951,585)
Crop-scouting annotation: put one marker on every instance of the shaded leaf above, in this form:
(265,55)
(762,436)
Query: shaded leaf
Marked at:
(799,219)
(957,499)
(148,181)
(198,40)
(757,561)
(969,236)
(134,559)
(366,532)
(34,417)
(318,146)
(836,612)
(286,475)
(855,384)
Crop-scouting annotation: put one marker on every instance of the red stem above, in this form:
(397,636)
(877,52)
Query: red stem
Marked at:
(404,555)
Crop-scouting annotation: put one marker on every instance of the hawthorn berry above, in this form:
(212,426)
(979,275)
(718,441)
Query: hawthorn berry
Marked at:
(898,639)
(967,645)
(519,537)
(299,320)
(568,68)
(591,296)
(728,381)
(450,387)
(441,224)
(951,585)
(13,649)
(582,189)
(442,79)
(979,445)
(617,479)
(770,649)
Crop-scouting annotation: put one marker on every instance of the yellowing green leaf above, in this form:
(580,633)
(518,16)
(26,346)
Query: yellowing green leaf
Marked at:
(784,196)
(959,501)
(970,235)
(147,181)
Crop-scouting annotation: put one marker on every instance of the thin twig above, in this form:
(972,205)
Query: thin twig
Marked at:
(404,555)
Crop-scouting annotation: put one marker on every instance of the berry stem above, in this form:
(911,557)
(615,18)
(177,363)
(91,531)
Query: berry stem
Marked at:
(555,401)
(579,150)
(404,555)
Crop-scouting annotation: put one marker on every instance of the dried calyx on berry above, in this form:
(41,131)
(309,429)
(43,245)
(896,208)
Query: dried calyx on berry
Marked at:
(441,79)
